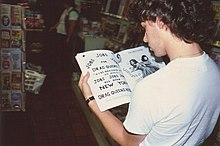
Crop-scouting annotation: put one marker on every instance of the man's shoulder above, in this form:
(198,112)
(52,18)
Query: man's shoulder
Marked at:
(73,13)
(73,10)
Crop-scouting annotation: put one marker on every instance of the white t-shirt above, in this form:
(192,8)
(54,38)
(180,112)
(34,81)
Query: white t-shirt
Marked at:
(73,15)
(178,105)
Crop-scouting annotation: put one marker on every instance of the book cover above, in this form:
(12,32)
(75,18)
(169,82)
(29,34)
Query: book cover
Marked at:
(113,76)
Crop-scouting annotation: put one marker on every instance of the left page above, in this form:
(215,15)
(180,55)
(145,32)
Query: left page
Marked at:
(106,80)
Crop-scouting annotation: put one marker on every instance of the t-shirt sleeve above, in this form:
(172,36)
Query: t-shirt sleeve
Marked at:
(73,15)
(140,118)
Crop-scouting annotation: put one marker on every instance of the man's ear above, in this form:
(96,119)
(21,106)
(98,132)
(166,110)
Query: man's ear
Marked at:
(160,23)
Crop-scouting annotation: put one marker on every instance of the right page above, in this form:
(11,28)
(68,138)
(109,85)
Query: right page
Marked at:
(137,63)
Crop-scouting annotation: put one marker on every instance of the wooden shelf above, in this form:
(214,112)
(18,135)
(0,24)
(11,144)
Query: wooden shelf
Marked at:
(114,15)
(34,29)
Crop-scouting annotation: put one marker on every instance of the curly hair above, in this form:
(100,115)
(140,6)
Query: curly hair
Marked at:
(189,20)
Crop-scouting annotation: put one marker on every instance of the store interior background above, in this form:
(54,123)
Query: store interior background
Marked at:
(58,116)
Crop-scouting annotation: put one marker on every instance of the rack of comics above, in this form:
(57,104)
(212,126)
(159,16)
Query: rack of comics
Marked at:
(12,58)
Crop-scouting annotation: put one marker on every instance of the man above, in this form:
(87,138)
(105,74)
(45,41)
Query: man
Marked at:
(179,104)
(66,31)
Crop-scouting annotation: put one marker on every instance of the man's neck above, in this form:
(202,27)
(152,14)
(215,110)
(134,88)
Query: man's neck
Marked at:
(181,49)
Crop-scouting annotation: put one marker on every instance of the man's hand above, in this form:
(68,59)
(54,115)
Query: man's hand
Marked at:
(84,86)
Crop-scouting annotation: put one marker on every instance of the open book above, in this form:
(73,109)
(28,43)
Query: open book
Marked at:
(113,76)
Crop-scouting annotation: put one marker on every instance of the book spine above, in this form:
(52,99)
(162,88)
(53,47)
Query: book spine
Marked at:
(126,5)
(121,7)
(108,6)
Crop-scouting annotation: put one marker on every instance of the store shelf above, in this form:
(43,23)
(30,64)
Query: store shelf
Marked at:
(216,44)
(35,29)
(114,15)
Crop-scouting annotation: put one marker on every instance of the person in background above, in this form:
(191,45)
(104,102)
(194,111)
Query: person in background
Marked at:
(179,104)
(66,30)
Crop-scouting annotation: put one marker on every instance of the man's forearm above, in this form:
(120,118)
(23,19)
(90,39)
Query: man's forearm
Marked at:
(115,127)
(71,27)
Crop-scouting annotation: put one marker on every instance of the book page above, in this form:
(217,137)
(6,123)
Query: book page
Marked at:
(106,80)
(137,63)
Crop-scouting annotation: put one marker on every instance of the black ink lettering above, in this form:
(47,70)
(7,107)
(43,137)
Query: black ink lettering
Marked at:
(103,95)
(99,80)
(101,55)
(89,64)
(105,86)
(123,83)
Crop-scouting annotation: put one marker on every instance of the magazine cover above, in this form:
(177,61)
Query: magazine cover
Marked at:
(6,63)
(16,20)
(16,100)
(16,59)
(12,45)
(5,15)
(6,81)
(114,76)
(16,38)
(6,101)
(16,81)
(5,38)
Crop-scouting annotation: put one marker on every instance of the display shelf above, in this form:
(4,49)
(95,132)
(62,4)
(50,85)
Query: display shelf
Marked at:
(12,56)
(216,44)
(114,15)
(34,29)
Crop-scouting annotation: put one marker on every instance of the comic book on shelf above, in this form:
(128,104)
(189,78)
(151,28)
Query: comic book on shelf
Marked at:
(5,15)
(5,38)
(114,75)
(12,58)
(16,16)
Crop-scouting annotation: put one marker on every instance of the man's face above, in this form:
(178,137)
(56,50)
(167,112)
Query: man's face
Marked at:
(153,38)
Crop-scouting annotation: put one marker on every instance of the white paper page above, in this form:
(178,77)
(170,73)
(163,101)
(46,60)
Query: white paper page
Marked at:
(107,83)
(143,64)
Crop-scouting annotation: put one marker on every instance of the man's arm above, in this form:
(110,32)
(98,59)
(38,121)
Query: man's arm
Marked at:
(71,27)
(54,27)
(111,123)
